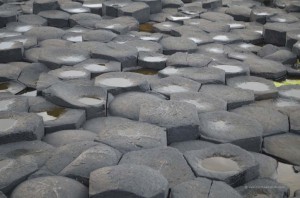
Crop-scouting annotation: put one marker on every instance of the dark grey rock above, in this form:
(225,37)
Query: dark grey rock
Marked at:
(41,5)
(239,13)
(120,82)
(152,60)
(99,35)
(139,10)
(13,172)
(50,186)
(227,127)
(292,37)
(165,27)
(155,5)
(127,180)
(233,96)
(180,59)
(11,51)
(30,75)
(264,187)
(111,7)
(60,138)
(34,151)
(9,72)
(212,4)
(172,3)
(249,36)
(67,73)
(199,187)
(191,145)
(272,121)
(145,46)
(233,70)
(55,57)
(13,103)
(294,121)
(203,75)
(17,126)
(128,104)
(266,68)
(43,33)
(283,147)
(172,45)
(56,18)
(267,165)
(12,86)
(262,88)
(90,98)
(123,53)
(283,56)
(7,16)
(168,161)
(127,135)
(216,16)
(203,102)
(32,19)
(260,14)
(73,7)
(180,119)
(80,18)
(245,170)
(275,33)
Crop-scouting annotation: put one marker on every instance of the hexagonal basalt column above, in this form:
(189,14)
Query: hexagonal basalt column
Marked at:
(180,119)
(226,162)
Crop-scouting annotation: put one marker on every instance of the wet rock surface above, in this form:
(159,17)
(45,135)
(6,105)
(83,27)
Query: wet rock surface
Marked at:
(149,98)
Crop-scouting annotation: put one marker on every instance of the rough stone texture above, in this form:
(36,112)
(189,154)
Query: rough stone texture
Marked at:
(227,127)
(283,147)
(168,161)
(50,186)
(246,162)
(180,119)
(127,180)
(127,135)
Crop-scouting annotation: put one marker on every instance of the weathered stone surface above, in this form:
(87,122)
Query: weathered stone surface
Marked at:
(267,165)
(180,119)
(283,147)
(127,135)
(233,96)
(60,138)
(168,161)
(50,186)
(272,121)
(17,126)
(245,168)
(127,180)
(191,145)
(227,127)
(128,104)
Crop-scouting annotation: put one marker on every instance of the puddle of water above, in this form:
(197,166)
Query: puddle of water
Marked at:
(76,10)
(154,59)
(254,86)
(221,38)
(262,13)
(236,25)
(287,176)
(196,40)
(4,87)
(6,45)
(146,27)
(284,103)
(46,117)
(95,67)
(116,82)
(172,89)
(72,58)
(229,68)
(4,104)
(56,112)
(169,71)
(145,71)
(220,164)
(246,45)
(6,124)
(72,74)
(148,38)
(176,18)
(91,101)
